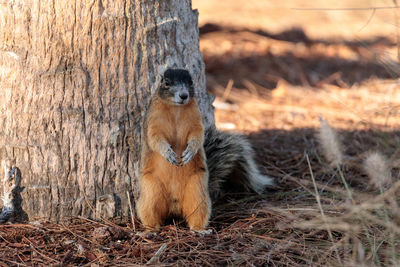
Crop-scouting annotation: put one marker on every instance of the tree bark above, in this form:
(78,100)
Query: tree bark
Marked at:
(76,78)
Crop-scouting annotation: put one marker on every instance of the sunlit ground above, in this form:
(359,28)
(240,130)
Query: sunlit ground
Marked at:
(282,67)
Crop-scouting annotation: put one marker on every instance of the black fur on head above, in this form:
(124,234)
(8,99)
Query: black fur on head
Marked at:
(176,86)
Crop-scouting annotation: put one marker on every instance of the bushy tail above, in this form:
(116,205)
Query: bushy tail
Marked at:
(231,166)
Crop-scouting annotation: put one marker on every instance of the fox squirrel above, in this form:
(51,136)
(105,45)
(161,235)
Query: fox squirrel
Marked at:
(173,175)
(178,157)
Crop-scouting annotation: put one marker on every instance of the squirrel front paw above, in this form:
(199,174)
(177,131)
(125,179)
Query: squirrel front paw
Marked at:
(169,154)
(188,154)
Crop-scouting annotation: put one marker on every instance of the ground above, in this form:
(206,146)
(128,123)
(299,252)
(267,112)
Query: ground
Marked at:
(277,72)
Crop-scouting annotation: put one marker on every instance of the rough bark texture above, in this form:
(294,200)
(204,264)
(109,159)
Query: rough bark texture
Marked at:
(76,78)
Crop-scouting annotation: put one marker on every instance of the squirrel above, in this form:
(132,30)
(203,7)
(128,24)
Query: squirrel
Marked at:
(173,175)
(184,166)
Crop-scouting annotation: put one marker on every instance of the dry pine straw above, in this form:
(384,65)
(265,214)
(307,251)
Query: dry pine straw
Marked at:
(242,238)
(281,227)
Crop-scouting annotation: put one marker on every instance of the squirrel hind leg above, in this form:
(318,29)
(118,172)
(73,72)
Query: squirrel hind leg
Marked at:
(196,204)
(151,206)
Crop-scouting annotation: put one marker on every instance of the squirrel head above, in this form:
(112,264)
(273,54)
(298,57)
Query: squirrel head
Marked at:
(176,87)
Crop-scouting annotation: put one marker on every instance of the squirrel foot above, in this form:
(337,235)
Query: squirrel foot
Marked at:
(202,232)
(147,234)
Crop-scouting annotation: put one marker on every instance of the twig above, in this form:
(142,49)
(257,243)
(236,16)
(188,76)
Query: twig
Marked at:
(275,239)
(38,252)
(396,17)
(251,87)
(131,210)
(14,262)
(238,201)
(106,222)
(228,89)
(76,235)
(368,21)
(344,9)
(18,225)
(156,256)
(92,221)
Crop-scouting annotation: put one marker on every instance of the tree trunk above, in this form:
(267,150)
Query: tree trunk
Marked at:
(76,78)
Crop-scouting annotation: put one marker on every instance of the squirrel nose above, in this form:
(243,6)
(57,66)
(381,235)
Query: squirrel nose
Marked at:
(183,96)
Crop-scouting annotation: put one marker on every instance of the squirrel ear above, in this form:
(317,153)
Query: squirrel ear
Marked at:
(165,81)
(212,98)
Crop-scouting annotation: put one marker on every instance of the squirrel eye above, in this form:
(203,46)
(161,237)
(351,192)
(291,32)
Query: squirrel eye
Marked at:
(167,82)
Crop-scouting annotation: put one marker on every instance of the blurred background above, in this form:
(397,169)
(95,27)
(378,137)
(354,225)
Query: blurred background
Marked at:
(282,64)
(314,86)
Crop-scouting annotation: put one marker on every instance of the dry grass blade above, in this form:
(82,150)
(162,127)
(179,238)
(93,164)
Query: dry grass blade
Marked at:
(317,197)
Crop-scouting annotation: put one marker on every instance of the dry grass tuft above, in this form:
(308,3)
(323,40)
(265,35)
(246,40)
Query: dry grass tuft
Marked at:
(330,144)
(378,170)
